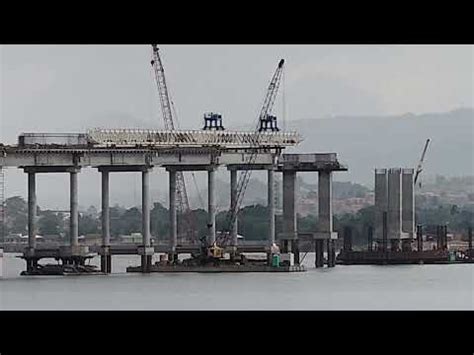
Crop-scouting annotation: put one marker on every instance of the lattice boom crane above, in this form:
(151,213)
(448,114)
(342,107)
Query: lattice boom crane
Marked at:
(242,183)
(419,168)
(156,63)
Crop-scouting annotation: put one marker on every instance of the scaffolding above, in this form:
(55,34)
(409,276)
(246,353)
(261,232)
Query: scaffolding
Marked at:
(133,137)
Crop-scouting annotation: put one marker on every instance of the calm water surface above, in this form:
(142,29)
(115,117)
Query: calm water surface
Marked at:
(447,287)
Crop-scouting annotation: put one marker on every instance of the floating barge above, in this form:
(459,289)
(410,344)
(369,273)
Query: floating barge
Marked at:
(216,269)
(219,268)
(61,270)
(400,257)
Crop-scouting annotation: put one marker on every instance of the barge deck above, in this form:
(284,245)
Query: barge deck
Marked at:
(220,268)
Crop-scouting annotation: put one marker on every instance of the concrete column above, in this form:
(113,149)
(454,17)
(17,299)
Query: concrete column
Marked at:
(318,250)
(324,201)
(173,217)
(384,232)
(438,237)
(381,201)
(394,204)
(331,253)
(408,203)
(328,252)
(146,259)
(407,244)
(74,218)
(233,203)
(105,209)
(105,259)
(419,237)
(289,205)
(469,236)
(445,237)
(395,245)
(211,206)
(31,210)
(271,206)
(347,246)
(370,237)
(146,207)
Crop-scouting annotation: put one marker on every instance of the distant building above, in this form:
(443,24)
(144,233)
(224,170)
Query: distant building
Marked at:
(18,238)
(133,238)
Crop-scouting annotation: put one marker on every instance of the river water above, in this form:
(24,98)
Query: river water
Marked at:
(358,287)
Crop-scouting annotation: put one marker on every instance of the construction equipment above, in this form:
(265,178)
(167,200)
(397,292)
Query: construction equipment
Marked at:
(265,122)
(213,121)
(169,122)
(419,168)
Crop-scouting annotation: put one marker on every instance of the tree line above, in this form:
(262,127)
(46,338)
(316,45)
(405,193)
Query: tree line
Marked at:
(252,223)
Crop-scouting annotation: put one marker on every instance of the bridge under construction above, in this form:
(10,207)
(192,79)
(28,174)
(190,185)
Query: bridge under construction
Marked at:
(42,154)
(176,150)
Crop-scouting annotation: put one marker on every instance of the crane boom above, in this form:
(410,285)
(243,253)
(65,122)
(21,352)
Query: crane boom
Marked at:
(244,178)
(162,89)
(419,168)
(166,108)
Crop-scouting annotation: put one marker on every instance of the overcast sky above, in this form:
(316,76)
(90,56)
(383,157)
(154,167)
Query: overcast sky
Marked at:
(57,88)
(71,88)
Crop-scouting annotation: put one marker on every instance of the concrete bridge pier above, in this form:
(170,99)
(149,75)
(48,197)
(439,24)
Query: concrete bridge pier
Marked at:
(318,251)
(271,206)
(419,238)
(211,205)
(74,213)
(290,232)
(347,239)
(31,263)
(72,253)
(370,238)
(325,218)
(146,251)
(271,212)
(331,253)
(172,256)
(469,236)
(105,258)
(233,204)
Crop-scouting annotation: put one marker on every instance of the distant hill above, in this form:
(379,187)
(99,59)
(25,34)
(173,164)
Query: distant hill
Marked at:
(365,143)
